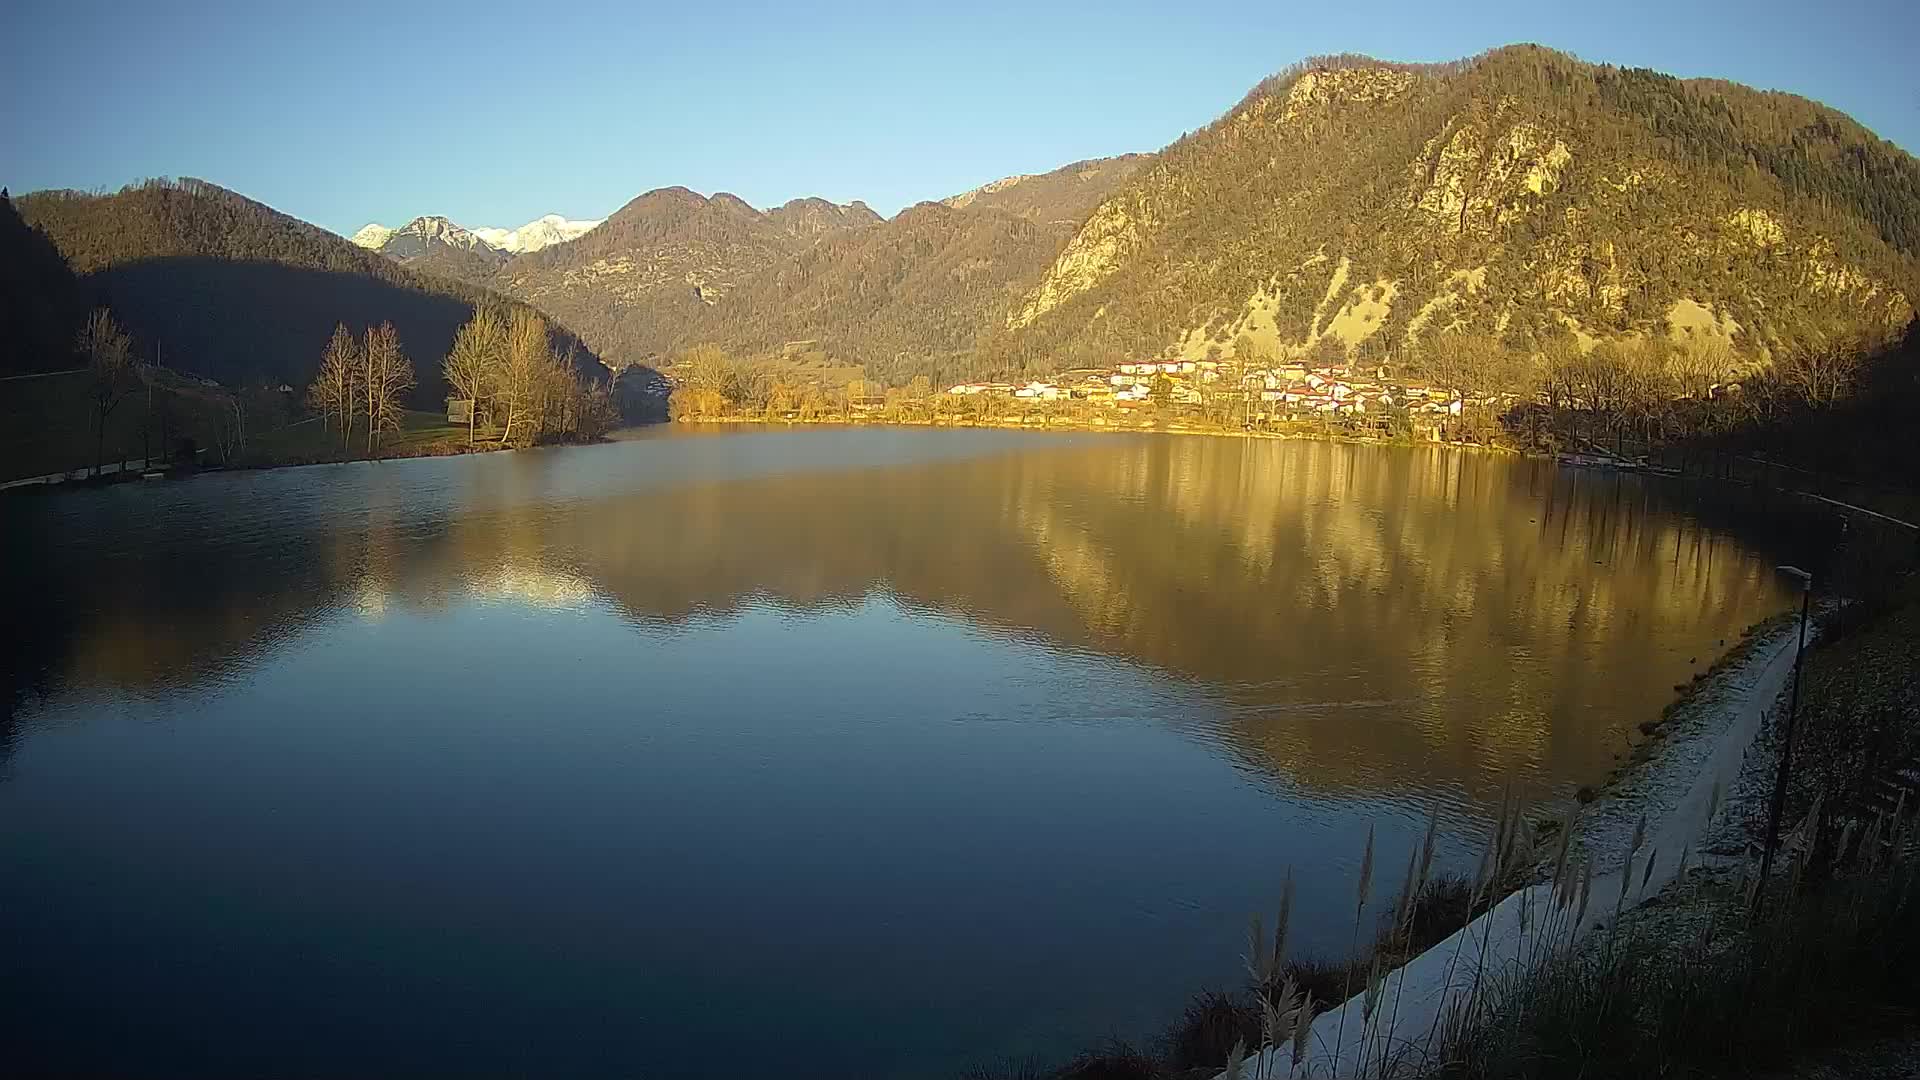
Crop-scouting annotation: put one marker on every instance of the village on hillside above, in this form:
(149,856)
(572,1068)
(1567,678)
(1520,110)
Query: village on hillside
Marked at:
(1266,393)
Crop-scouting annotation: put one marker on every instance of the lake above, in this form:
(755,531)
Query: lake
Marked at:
(872,752)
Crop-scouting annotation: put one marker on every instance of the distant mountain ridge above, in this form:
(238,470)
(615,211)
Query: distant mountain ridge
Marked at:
(673,268)
(541,232)
(638,284)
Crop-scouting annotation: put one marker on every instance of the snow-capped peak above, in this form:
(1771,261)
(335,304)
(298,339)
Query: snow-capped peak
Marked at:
(542,232)
(434,227)
(373,235)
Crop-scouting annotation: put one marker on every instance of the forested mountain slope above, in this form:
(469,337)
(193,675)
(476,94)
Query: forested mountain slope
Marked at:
(911,295)
(636,283)
(231,289)
(672,268)
(1356,208)
(900,299)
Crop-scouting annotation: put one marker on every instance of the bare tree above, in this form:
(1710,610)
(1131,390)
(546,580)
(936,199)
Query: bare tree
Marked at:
(478,354)
(1464,365)
(110,375)
(334,390)
(516,385)
(920,395)
(707,384)
(1821,375)
(388,377)
(230,427)
(782,398)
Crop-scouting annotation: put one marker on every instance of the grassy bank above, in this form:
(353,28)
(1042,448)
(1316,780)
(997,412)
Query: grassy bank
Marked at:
(292,442)
(47,426)
(1727,975)
(308,442)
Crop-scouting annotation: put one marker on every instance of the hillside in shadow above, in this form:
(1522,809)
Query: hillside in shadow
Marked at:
(45,303)
(251,320)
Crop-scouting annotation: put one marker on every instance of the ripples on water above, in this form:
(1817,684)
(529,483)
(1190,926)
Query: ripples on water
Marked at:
(886,751)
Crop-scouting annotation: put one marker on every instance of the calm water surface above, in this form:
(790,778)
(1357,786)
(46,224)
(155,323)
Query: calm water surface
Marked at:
(877,752)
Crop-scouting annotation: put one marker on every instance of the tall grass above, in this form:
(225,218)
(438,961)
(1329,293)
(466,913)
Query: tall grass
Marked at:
(1828,955)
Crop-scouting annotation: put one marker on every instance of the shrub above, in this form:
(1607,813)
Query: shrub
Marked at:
(1213,1024)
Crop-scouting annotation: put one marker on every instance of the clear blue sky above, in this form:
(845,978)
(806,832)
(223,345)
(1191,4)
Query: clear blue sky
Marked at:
(494,113)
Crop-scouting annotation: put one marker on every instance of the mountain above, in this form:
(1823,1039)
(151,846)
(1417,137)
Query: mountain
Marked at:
(435,245)
(372,236)
(540,233)
(1366,209)
(233,289)
(673,268)
(808,219)
(438,245)
(425,234)
(638,282)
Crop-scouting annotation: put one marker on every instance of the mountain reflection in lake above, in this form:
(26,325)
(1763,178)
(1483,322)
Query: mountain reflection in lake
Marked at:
(877,751)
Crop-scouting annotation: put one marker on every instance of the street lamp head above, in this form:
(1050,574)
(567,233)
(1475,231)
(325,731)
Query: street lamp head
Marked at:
(1806,579)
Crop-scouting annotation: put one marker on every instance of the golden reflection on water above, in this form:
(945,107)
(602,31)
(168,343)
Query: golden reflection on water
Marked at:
(1364,617)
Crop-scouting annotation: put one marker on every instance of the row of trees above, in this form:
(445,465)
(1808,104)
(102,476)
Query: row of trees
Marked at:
(504,363)
(362,381)
(710,385)
(1652,390)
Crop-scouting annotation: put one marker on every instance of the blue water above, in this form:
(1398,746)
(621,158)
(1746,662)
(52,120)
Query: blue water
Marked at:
(875,753)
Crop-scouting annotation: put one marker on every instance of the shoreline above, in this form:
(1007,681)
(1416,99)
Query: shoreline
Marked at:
(76,480)
(1295,433)
(1683,790)
(1654,777)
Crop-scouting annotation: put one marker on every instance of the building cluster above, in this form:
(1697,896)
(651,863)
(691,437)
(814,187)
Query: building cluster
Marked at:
(1272,391)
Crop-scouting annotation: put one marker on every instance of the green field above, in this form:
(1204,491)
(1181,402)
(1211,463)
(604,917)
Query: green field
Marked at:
(46,426)
(422,434)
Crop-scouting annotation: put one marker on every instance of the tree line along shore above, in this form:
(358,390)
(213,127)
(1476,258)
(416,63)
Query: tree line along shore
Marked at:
(1680,400)
(514,387)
